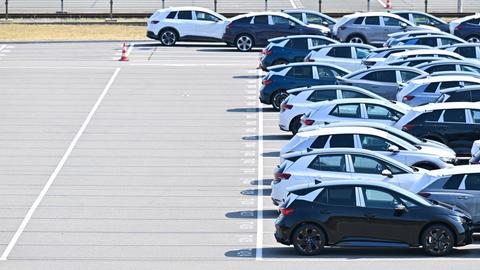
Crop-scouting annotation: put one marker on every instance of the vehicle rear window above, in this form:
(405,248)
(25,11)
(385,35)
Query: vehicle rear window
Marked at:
(472,182)
(304,72)
(468,52)
(319,142)
(342,140)
(340,196)
(453,182)
(261,19)
(431,88)
(321,95)
(171,15)
(340,52)
(185,15)
(454,115)
(329,163)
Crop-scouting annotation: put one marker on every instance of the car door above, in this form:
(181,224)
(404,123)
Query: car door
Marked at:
(283,26)
(382,146)
(390,25)
(327,167)
(345,112)
(325,75)
(261,29)
(471,185)
(299,76)
(382,82)
(299,48)
(371,169)
(374,29)
(457,131)
(186,24)
(382,114)
(209,25)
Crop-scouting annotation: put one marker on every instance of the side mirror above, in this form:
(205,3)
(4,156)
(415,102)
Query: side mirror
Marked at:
(387,173)
(393,148)
(400,210)
(403,25)
(325,23)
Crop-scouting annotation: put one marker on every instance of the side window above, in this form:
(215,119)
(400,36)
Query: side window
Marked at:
(459,96)
(358,20)
(404,15)
(277,20)
(299,43)
(304,72)
(389,21)
(332,163)
(325,72)
(475,96)
(421,19)
(353,94)
(469,69)
(371,76)
(340,52)
(321,95)
(372,20)
(445,85)
(341,196)
(428,117)
(472,182)
(387,76)
(315,19)
(375,143)
(407,75)
(343,140)
(362,52)
(468,52)
(454,181)
(347,110)
(375,198)
(319,42)
(297,16)
(184,15)
(381,112)
(448,41)
(368,165)
(319,142)
(427,41)
(203,16)
(454,116)
(263,19)
(475,115)
(431,88)
(171,15)
(440,68)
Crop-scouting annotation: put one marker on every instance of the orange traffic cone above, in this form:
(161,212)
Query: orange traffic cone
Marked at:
(389,4)
(124,53)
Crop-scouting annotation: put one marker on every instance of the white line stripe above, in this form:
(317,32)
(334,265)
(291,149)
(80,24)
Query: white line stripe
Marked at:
(259,246)
(130,48)
(2,47)
(292,2)
(381,3)
(52,177)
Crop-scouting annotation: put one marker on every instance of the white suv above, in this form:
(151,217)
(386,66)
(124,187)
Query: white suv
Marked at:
(170,25)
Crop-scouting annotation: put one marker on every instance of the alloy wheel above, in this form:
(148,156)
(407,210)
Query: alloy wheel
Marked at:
(438,241)
(356,40)
(309,240)
(244,43)
(474,39)
(168,38)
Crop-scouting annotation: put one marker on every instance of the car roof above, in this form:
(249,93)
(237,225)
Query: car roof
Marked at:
(303,36)
(447,105)
(424,51)
(401,47)
(446,62)
(386,67)
(456,170)
(365,14)
(468,44)
(329,87)
(307,64)
(329,130)
(366,46)
(396,61)
(460,89)
(398,105)
(447,78)
(432,36)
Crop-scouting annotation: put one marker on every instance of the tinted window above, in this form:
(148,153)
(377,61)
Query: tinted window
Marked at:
(319,142)
(374,143)
(381,112)
(341,52)
(321,95)
(304,72)
(407,75)
(343,140)
(184,15)
(245,20)
(203,16)
(472,182)
(456,116)
(299,43)
(353,94)
(469,69)
(473,21)
(261,20)
(296,16)
(347,110)
(431,88)
(468,52)
(333,163)
(386,76)
(315,19)
(171,15)
(373,20)
(475,96)
(430,116)
(358,20)
(440,68)
(363,164)
(375,198)
(475,115)
(342,196)
(428,41)
(388,21)
(453,182)
(445,85)
(459,96)
(403,15)
(362,53)
(448,41)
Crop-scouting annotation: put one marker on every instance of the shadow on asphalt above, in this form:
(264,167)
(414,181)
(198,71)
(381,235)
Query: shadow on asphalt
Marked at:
(247,76)
(251,110)
(255,192)
(271,154)
(265,182)
(267,138)
(226,49)
(252,214)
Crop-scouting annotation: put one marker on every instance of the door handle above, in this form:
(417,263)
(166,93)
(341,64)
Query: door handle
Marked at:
(463,197)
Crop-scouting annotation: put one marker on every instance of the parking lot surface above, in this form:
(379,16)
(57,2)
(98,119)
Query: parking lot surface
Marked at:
(162,161)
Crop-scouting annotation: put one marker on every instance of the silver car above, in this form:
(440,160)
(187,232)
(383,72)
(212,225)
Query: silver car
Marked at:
(459,186)
(347,56)
(311,17)
(381,53)
(450,65)
(371,27)
(467,50)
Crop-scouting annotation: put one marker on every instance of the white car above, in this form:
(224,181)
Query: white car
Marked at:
(340,164)
(312,17)
(174,24)
(358,109)
(421,53)
(372,139)
(304,99)
(346,55)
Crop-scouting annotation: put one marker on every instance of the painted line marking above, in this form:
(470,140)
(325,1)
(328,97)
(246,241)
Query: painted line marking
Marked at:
(2,47)
(292,2)
(57,170)
(130,48)
(259,244)
(381,3)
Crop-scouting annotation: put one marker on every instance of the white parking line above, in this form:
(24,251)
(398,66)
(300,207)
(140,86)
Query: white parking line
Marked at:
(259,246)
(292,2)
(382,3)
(2,47)
(59,167)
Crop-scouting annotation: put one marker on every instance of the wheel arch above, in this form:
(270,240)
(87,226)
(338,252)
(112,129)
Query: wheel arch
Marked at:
(443,223)
(359,35)
(169,28)
(311,223)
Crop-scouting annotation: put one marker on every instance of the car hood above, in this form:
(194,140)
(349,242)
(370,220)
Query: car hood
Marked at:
(322,28)
(437,151)
(435,144)
(451,209)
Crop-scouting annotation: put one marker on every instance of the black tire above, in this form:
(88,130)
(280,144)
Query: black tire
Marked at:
(295,124)
(473,39)
(356,39)
(308,240)
(277,98)
(168,37)
(244,42)
(437,240)
(280,62)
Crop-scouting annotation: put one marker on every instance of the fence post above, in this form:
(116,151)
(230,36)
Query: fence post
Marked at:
(460,6)
(266,5)
(214,5)
(319,5)
(61,6)
(111,9)
(6,9)
(426,6)
(163,3)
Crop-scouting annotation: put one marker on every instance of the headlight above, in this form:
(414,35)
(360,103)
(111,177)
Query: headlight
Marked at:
(447,159)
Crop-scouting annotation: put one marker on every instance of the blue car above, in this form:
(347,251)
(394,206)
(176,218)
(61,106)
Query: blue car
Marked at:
(255,29)
(467,28)
(284,77)
(286,50)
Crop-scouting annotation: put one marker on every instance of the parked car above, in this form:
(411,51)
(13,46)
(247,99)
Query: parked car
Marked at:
(383,80)
(467,28)
(347,56)
(312,17)
(458,186)
(456,124)
(422,18)
(413,62)
(429,40)
(450,65)
(371,27)
(356,110)
(173,24)
(394,37)
(286,50)
(281,78)
(255,29)
(380,54)
(475,159)
(302,100)
(469,50)
(460,94)
(427,90)
(322,165)
(421,53)
(368,214)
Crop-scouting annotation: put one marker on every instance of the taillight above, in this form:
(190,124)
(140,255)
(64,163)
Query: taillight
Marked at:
(459,27)
(308,122)
(286,106)
(343,27)
(407,98)
(266,52)
(424,194)
(282,176)
(267,82)
(154,22)
(286,211)
(408,127)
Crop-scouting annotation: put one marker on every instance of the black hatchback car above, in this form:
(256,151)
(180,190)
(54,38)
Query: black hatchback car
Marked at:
(255,29)
(351,213)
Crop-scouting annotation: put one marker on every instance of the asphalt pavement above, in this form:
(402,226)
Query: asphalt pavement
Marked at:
(163,162)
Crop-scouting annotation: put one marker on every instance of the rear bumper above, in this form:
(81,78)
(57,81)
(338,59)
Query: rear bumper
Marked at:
(152,35)
(264,97)
(282,235)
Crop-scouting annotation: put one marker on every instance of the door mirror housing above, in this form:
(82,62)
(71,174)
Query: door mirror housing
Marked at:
(403,25)
(400,209)
(393,148)
(325,23)
(387,173)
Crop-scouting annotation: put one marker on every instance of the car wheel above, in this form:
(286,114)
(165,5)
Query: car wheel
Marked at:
(280,62)
(295,125)
(244,43)
(308,239)
(278,97)
(356,39)
(437,240)
(168,37)
(473,39)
